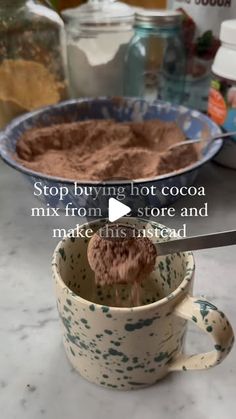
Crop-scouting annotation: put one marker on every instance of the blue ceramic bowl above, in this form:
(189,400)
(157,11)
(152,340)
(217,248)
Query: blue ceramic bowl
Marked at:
(193,123)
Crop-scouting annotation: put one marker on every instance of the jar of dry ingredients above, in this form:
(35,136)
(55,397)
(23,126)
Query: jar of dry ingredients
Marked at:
(222,97)
(97,37)
(155,59)
(32,58)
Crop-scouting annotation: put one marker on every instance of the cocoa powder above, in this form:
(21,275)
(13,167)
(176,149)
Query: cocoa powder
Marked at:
(105,149)
(121,260)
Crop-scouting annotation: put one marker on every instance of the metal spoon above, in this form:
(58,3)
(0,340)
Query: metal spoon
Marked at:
(208,141)
(205,241)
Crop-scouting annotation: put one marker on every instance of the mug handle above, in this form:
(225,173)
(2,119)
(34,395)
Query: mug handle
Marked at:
(212,321)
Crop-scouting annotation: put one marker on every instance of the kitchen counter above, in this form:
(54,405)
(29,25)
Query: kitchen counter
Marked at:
(36,380)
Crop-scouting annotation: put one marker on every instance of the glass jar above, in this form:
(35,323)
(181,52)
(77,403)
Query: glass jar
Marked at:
(98,34)
(32,58)
(155,60)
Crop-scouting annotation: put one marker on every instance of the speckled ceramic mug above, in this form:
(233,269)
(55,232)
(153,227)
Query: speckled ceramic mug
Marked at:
(128,348)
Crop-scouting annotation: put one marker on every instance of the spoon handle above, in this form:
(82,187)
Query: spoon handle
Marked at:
(208,141)
(223,135)
(216,137)
(206,241)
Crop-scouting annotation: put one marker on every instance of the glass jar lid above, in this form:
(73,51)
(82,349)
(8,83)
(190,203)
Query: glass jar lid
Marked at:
(156,17)
(99,13)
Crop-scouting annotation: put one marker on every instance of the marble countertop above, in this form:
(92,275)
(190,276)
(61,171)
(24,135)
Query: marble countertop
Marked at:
(36,380)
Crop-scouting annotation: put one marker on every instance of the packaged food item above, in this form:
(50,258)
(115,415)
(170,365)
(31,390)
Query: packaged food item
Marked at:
(201,24)
(222,97)
(32,58)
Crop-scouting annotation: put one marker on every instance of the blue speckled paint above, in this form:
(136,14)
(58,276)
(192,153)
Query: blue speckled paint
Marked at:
(130,327)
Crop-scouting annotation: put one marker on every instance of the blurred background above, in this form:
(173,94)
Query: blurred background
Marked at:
(64,4)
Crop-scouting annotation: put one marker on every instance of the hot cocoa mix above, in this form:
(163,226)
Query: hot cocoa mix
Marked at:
(105,149)
(122,259)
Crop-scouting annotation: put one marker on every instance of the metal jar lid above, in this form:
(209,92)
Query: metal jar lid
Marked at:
(100,13)
(155,17)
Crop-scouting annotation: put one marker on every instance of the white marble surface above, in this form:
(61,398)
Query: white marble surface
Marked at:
(36,381)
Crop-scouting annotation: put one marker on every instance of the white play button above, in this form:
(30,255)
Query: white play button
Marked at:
(116,209)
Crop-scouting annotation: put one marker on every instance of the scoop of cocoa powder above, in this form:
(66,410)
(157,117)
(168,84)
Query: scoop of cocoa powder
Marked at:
(124,259)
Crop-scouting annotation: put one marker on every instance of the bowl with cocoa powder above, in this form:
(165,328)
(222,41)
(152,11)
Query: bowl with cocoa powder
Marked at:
(108,147)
